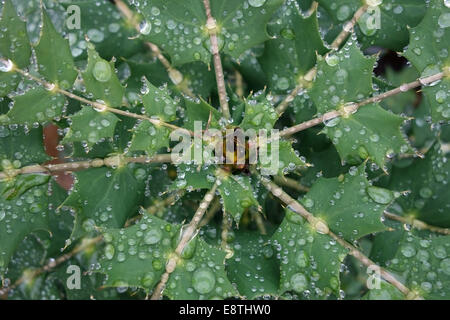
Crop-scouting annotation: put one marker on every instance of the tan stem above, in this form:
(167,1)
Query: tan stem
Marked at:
(416,223)
(309,76)
(290,183)
(85,244)
(220,79)
(321,227)
(187,234)
(353,107)
(101,107)
(80,165)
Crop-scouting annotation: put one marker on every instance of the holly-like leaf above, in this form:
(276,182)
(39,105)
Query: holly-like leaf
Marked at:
(293,52)
(259,114)
(149,138)
(158,102)
(201,275)
(136,256)
(201,111)
(91,127)
(285,159)
(253,267)
(428,52)
(179,27)
(425,265)
(346,77)
(427,182)
(37,105)
(54,56)
(19,148)
(385,24)
(237,194)
(101,80)
(193,177)
(14,43)
(21,216)
(106,208)
(310,262)
(349,205)
(104,26)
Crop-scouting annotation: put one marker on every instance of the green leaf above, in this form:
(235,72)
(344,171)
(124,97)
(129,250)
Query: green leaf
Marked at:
(259,114)
(179,27)
(386,28)
(91,127)
(16,187)
(54,56)
(371,133)
(21,216)
(253,267)
(97,197)
(288,160)
(428,52)
(37,105)
(427,182)
(386,292)
(201,111)
(237,194)
(136,256)
(200,275)
(104,25)
(310,262)
(293,51)
(158,102)
(425,265)
(193,177)
(149,138)
(101,79)
(19,148)
(346,77)
(14,43)
(350,206)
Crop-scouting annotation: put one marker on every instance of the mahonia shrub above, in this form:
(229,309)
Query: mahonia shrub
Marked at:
(97,203)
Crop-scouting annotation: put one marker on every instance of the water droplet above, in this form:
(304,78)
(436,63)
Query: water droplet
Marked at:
(425,192)
(302,259)
(288,33)
(153,236)
(408,250)
(380,195)
(102,71)
(299,282)
(6,65)
(283,83)
(444,20)
(203,280)
(332,60)
(374,3)
(256,3)
(145,27)
(95,35)
(109,251)
(148,279)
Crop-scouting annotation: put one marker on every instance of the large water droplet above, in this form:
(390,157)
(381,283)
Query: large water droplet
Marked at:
(444,20)
(299,282)
(408,250)
(145,27)
(102,71)
(203,280)
(109,251)
(6,65)
(380,195)
(256,3)
(153,236)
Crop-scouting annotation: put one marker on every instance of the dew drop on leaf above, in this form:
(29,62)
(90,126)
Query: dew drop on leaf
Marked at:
(203,280)
(380,195)
(102,71)
(256,3)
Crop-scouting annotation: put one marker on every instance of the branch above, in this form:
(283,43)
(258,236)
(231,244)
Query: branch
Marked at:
(309,76)
(321,227)
(221,88)
(113,161)
(174,74)
(352,107)
(290,183)
(416,223)
(28,275)
(100,107)
(187,234)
